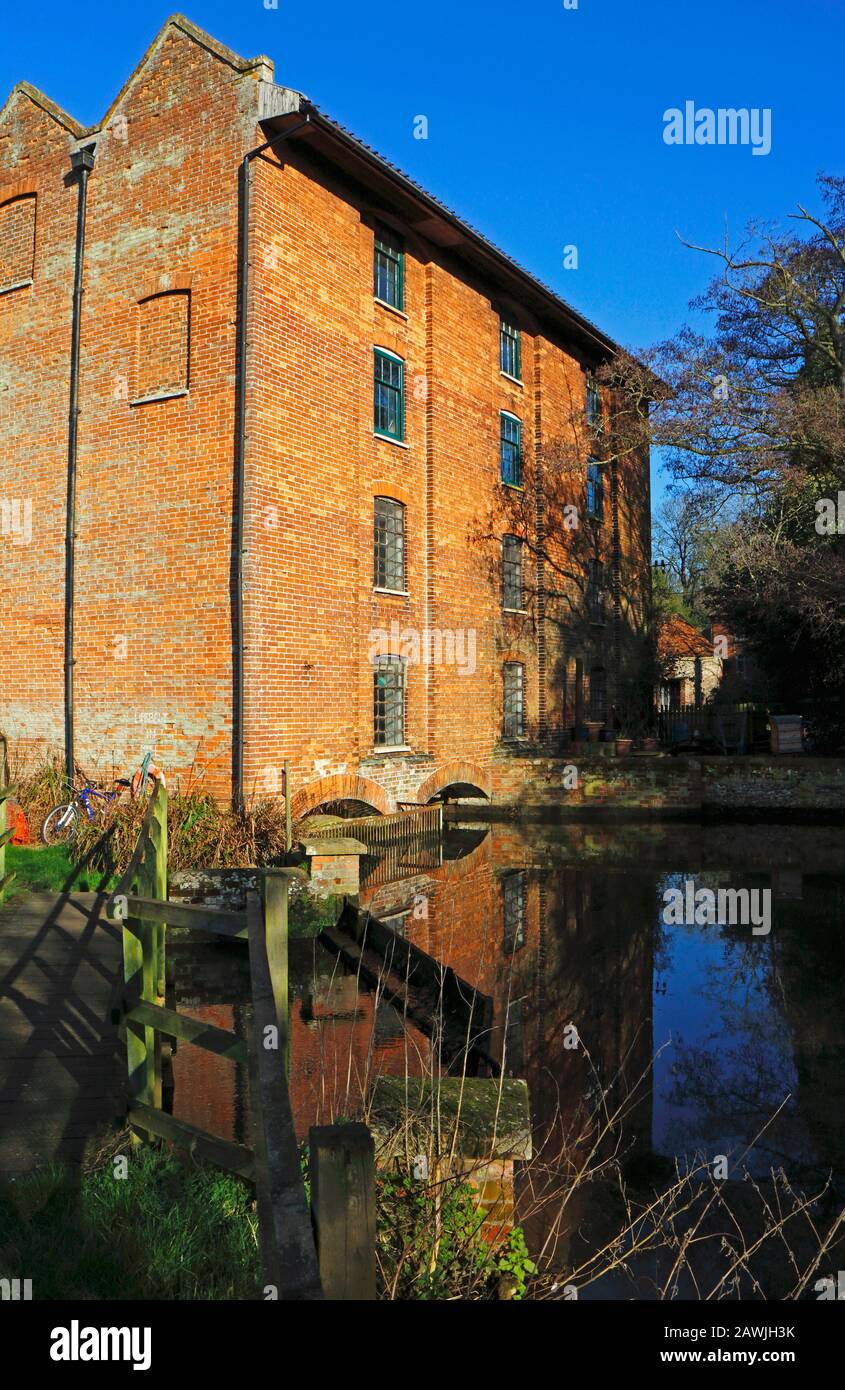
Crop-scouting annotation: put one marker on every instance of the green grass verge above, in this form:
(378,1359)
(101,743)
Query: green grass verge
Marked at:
(46,869)
(167,1230)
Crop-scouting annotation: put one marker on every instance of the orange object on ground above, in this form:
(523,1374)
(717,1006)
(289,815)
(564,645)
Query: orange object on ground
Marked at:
(19,824)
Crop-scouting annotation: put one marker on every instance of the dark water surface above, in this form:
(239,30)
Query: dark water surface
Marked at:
(701,1041)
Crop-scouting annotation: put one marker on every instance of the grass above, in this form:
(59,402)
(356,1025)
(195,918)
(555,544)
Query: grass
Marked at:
(169,1229)
(45,869)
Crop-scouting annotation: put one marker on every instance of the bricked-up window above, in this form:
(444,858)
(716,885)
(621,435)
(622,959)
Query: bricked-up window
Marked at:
(510,349)
(513,899)
(389,544)
(163,344)
(389,268)
(595,591)
(598,693)
(595,490)
(510,448)
(513,724)
(389,395)
(512,587)
(17,241)
(389,701)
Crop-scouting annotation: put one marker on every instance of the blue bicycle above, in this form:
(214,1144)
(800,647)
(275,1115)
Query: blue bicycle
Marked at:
(60,824)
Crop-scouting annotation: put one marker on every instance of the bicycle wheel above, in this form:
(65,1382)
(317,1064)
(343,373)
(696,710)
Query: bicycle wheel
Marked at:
(59,825)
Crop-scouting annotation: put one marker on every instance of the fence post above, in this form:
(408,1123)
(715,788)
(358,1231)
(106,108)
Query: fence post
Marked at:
(138,977)
(4,819)
(343,1209)
(159,886)
(141,959)
(288,809)
(275,894)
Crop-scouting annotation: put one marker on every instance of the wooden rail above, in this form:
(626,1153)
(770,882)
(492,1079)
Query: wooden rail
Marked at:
(329,1250)
(378,832)
(6,831)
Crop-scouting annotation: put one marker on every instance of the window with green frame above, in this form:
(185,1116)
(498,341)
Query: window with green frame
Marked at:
(388,395)
(510,448)
(389,268)
(592,405)
(388,701)
(513,720)
(595,490)
(510,349)
(512,590)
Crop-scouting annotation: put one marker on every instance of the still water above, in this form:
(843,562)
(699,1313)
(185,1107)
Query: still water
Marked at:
(694,1043)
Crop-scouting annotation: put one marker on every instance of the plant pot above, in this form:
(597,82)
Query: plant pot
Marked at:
(593,730)
(651,745)
(607,736)
(623,747)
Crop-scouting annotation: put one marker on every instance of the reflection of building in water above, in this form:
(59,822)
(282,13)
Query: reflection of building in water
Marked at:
(554,947)
(341,1038)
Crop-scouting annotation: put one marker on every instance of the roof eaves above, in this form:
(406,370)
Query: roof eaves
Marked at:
(601,340)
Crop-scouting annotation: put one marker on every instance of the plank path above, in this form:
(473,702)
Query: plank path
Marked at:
(62,1066)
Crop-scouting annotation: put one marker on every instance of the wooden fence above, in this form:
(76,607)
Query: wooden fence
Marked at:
(328,1251)
(6,831)
(731,728)
(405,827)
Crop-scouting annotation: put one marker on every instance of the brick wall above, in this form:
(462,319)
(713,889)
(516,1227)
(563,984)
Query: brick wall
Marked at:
(153,609)
(154,482)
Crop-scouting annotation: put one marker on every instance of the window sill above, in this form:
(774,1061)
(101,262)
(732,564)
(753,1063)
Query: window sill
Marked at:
(17,285)
(388,439)
(514,487)
(391,308)
(160,396)
(516,612)
(391,593)
(390,748)
(517,381)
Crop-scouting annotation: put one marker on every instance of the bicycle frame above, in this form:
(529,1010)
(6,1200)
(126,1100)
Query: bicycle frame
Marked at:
(86,796)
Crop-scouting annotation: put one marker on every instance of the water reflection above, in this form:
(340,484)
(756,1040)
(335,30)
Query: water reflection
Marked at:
(687,1038)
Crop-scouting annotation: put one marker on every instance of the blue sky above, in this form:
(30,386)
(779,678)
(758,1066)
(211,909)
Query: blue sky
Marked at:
(545,123)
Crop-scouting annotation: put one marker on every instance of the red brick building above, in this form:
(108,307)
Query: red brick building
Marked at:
(267,418)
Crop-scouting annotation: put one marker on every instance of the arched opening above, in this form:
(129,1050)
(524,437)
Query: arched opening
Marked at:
(459,791)
(347,808)
(344,795)
(456,781)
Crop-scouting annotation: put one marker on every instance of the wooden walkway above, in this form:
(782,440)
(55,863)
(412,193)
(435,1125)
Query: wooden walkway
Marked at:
(62,1067)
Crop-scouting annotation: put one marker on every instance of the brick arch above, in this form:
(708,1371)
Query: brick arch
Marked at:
(342,786)
(450,773)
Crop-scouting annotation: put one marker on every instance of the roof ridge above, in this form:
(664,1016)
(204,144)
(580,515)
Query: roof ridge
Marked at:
(174,21)
(50,107)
